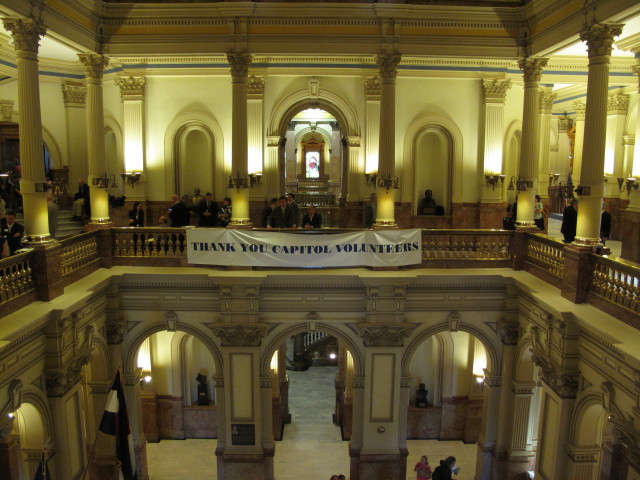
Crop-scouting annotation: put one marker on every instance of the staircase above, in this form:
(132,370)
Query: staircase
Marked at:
(66,226)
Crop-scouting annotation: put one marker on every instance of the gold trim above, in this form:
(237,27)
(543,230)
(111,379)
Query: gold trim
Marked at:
(586,242)
(99,220)
(46,238)
(240,221)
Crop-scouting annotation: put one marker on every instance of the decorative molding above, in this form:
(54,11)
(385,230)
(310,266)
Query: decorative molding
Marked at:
(131,88)
(314,87)
(495,91)
(388,64)
(618,103)
(546,100)
(15,394)
(256,84)
(454,321)
(372,87)
(94,65)
(115,333)
(26,35)
(564,124)
(581,110)
(59,383)
(7,110)
(239,62)
(171,320)
(392,335)
(240,335)
(564,383)
(532,69)
(599,38)
(74,93)
(509,333)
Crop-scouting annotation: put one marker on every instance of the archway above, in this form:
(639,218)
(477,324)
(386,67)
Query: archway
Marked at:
(511,162)
(28,429)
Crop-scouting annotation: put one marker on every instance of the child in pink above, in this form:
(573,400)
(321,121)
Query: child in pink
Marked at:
(423,469)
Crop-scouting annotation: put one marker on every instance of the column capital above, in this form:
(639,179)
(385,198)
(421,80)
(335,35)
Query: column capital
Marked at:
(532,69)
(599,38)
(388,63)
(618,103)
(546,100)
(636,69)
(495,91)
(6,110)
(239,62)
(26,35)
(74,93)
(240,335)
(564,124)
(581,110)
(380,335)
(255,86)
(372,88)
(131,88)
(94,64)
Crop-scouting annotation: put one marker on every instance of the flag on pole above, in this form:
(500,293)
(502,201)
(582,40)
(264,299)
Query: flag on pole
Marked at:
(42,473)
(115,423)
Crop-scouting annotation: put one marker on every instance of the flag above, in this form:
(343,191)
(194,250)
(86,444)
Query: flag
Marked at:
(115,423)
(42,473)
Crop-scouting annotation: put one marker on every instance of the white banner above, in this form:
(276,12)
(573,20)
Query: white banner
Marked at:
(383,248)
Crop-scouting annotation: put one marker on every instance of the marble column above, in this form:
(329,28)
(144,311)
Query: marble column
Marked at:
(255,132)
(599,38)
(26,35)
(94,67)
(532,71)
(385,213)
(355,172)
(617,107)
(563,157)
(132,91)
(74,95)
(492,206)
(239,63)
(631,228)
(546,105)
(270,175)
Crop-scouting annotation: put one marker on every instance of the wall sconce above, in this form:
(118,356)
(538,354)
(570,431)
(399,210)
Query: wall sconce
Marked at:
(132,178)
(104,181)
(254,179)
(41,187)
(493,180)
(479,378)
(519,184)
(553,178)
(388,182)
(627,184)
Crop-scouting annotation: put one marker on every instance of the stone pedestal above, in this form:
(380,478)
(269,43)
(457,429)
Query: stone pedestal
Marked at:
(378,466)
(491,214)
(47,270)
(577,273)
(631,235)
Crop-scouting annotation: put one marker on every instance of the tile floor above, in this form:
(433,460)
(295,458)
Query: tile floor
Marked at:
(311,449)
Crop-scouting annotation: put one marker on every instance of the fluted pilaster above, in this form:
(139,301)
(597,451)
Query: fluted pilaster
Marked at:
(532,72)
(94,67)
(132,91)
(26,35)
(239,62)
(576,170)
(255,112)
(599,38)
(546,104)
(372,139)
(74,95)
(388,64)
(495,94)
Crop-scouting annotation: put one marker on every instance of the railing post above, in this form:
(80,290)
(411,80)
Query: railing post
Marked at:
(47,270)
(519,246)
(578,271)
(105,246)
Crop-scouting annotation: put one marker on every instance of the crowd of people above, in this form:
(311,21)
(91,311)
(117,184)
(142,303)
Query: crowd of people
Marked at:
(444,471)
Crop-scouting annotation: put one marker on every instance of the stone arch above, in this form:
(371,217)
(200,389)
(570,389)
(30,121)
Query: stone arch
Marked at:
(133,344)
(632,116)
(54,149)
(111,125)
(492,349)
(300,100)
(449,131)
(282,332)
(511,155)
(181,125)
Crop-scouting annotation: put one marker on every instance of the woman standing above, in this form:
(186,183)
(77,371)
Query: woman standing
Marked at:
(423,469)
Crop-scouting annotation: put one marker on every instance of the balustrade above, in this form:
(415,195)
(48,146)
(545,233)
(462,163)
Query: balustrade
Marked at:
(149,242)
(16,277)
(466,244)
(547,254)
(78,251)
(617,282)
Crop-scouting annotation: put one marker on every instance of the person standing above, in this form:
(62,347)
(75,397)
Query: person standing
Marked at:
(605,225)
(224,215)
(311,219)
(179,212)
(295,211)
(538,213)
(427,204)
(282,215)
(446,468)
(52,211)
(369,211)
(12,231)
(422,469)
(208,211)
(267,211)
(81,206)
(136,215)
(569,221)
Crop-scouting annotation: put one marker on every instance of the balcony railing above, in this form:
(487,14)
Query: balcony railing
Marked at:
(611,284)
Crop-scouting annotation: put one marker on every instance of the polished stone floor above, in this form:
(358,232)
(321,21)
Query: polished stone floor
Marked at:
(311,448)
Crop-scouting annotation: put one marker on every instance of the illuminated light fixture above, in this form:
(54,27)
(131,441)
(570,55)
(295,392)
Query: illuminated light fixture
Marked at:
(104,181)
(132,178)
(479,379)
(553,178)
(383,181)
(519,184)
(11,415)
(494,180)
(332,356)
(147,378)
(249,181)
(628,184)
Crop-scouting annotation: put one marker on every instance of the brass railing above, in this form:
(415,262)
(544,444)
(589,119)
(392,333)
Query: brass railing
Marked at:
(546,253)
(78,251)
(149,242)
(466,244)
(16,276)
(617,281)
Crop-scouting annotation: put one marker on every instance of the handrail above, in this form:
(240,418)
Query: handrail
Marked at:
(79,251)
(16,276)
(546,253)
(617,281)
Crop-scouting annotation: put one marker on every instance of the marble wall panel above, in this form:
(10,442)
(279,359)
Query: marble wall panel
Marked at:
(170,421)
(200,421)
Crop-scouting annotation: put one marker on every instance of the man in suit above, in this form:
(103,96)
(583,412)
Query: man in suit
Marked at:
(282,216)
(311,219)
(179,212)
(12,231)
(295,210)
(569,221)
(81,206)
(208,211)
